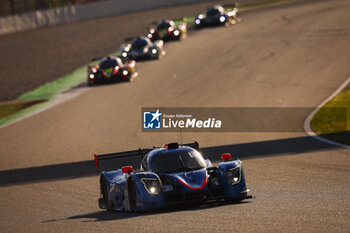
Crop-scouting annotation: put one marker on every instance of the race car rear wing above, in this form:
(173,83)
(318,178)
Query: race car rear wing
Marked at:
(139,152)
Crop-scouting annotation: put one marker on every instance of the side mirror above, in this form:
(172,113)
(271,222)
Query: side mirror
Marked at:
(226,156)
(127,169)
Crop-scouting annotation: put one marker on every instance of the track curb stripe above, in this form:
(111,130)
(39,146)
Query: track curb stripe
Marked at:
(307,122)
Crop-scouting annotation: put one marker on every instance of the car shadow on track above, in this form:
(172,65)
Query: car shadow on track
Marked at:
(81,169)
(98,216)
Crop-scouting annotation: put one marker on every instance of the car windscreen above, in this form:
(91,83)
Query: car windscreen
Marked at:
(139,44)
(213,12)
(177,162)
(108,64)
(163,26)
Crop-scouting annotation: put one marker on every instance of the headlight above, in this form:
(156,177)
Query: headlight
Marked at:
(222,19)
(176,32)
(91,76)
(197,21)
(125,72)
(231,13)
(154,51)
(126,49)
(152,185)
(201,16)
(145,50)
(234,175)
(124,54)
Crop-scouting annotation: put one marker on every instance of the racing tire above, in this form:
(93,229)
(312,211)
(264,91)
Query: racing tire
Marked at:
(104,192)
(90,84)
(132,194)
(196,26)
(128,79)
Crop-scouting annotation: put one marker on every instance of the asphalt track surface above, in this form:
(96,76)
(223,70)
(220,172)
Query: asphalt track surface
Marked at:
(288,55)
(32,58)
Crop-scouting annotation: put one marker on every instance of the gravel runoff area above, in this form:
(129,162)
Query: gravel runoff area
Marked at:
(32,58)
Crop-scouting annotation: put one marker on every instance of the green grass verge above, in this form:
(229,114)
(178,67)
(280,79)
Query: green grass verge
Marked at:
(7,109)
(41,96)
(332,121)
(51,89)
(188,20)
(21,113)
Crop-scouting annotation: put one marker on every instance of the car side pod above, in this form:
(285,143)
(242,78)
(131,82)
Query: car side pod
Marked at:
(108,179)
(144,192)
(232,177)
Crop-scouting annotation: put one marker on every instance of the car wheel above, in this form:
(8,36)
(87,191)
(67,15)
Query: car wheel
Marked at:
(132,194)
(128,79)
(104,192)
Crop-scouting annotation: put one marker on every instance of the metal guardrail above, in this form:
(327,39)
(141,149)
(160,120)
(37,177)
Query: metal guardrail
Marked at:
(13,7)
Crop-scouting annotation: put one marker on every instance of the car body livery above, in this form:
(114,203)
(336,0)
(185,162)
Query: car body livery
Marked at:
(170,175)
(142,48)
(216,15)
(110,70)
(167,30)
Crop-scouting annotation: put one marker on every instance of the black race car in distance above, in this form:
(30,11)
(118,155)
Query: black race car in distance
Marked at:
(215,16)
(142,48)
(111,69)
(167,30)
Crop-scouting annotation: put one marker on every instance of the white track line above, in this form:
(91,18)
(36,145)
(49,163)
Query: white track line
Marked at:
(307,123)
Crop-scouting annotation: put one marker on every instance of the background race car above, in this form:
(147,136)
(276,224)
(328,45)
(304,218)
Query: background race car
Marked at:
(216,15)
(167,30)
(171,175)
(142,48)
(111,69)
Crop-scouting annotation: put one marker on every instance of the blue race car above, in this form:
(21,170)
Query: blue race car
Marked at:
(142,48)
(171,175)
(215,16)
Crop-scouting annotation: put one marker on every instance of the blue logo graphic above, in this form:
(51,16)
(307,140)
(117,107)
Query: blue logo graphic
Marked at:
(151,120)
